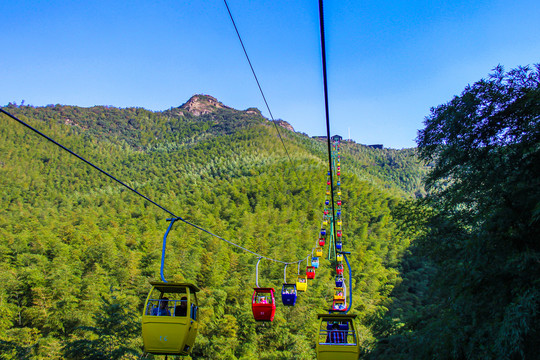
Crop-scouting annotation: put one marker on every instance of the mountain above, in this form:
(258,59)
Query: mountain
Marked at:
(72,240)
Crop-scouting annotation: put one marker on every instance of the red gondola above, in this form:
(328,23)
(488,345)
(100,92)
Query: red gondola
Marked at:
(310,272)
(339,202)
(338,233)
(339,269)
(263,304)
(322,241)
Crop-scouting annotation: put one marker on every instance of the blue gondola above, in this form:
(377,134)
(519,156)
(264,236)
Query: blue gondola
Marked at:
(323,232)
(315,262)
(339,245)
(327,202)
(339,281)
(288,294)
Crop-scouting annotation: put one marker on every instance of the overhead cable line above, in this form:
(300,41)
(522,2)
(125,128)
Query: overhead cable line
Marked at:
(260,88)
(143,196)
(323,54)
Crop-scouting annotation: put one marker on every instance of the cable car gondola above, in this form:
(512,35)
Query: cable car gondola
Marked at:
(288,294)
(315,262)
(301,283)
(339,305)
(288,291)
(339,293)
(339,281)
(310,272)
(263,304)
(339,269)
(337,338)
(169,321)
(170,316)
(339,245)
(318,251)
(322,241)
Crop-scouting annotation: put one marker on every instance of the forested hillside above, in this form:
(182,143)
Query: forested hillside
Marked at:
(76,248)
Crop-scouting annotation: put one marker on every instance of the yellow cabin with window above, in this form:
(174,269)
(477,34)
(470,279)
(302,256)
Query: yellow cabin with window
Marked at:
(170,318)
(318,251)
(339,257)
(339,293)
(301,283)
(337,338)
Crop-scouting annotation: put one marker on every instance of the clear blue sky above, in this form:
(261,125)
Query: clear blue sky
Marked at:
(388,61)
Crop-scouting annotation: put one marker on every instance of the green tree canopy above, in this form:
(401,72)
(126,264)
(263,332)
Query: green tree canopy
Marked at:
(485,234)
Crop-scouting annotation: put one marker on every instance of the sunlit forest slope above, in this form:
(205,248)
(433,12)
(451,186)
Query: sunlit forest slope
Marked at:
(76,248)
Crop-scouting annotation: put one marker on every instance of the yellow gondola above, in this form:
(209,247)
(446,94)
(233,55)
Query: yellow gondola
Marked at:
(318,252)
(337,338)
(339,257)
(301,283)
(170,320)
(339,294)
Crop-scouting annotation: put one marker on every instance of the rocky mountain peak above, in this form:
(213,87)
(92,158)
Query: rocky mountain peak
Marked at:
(202,104)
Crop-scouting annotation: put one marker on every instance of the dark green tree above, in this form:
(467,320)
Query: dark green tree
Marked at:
(111,338)
(485,233)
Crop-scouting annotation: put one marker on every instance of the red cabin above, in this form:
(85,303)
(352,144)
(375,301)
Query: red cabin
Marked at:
(338,173)
(322,241)
(325,212)
(310,272)
(263,304)
(339,233)
(328,183)
(339,269)
(339,202)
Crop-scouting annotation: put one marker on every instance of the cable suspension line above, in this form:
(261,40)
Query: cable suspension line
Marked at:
(260,88)
(176,217)
(325,82)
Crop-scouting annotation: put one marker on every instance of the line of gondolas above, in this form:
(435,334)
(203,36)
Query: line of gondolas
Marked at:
(170,319)
(337,337)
